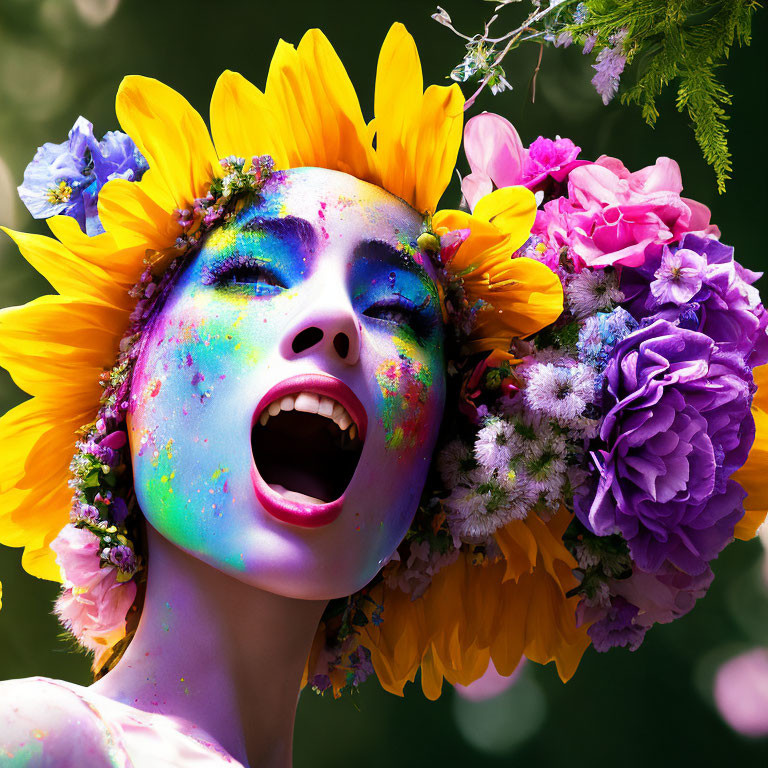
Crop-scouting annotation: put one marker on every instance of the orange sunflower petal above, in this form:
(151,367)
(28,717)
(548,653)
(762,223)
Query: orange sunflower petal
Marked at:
(752,475)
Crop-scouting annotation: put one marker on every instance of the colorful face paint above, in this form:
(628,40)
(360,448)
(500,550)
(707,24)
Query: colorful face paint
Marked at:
(315,286)
(405,383)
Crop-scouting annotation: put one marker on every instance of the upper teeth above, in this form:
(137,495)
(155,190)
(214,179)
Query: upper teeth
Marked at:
(310,402)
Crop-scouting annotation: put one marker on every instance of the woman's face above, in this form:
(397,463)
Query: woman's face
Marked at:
(287,399)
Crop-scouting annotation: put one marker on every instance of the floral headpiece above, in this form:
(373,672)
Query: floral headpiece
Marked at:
(133,206)
(593,468)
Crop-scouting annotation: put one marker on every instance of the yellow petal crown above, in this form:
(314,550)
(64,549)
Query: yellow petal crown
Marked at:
(57,346)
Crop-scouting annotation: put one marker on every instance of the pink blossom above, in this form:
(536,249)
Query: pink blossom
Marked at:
(93,605)
(550,157)
(664,596)
(612,215)
(741,692)
(498,159)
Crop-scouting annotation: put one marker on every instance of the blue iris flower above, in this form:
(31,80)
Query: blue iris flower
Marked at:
(66,178)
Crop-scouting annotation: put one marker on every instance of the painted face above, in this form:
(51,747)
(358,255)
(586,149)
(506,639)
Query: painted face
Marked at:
(287,399)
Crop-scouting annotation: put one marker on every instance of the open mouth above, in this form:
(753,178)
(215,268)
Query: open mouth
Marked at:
(306,441)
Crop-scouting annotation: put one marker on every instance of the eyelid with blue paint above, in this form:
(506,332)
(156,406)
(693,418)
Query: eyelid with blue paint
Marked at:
(240,269)
(402,311)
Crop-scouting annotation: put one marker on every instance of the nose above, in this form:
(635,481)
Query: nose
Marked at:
(332,331)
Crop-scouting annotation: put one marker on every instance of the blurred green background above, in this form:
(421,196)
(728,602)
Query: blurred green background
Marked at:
(63,58)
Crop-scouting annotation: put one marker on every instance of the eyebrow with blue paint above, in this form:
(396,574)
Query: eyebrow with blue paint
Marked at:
(386,254)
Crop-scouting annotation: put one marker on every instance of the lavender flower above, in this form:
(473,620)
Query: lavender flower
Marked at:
(122,557)
(86,513)
(415,574)
(599,335)
(610,64)
(361,665)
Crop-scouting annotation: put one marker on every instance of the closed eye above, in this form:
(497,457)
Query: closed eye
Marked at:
(401,311)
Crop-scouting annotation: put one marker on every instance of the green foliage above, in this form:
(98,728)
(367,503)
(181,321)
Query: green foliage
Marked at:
(665,42)
(682,42)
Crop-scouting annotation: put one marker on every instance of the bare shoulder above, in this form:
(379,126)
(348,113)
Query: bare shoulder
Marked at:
(46,723)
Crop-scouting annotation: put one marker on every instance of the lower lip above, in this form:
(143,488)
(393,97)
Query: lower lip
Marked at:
(292,512)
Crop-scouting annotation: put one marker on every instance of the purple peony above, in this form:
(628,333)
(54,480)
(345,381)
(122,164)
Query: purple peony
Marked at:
(702,287)
(677,425)
(66,178)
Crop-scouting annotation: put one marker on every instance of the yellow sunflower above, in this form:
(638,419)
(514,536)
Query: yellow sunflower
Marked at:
(57,346)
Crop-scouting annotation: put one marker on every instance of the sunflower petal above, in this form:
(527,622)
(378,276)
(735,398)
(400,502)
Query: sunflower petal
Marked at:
(59,338)
(512,210)
(170,134)
(310,92)
(417,135)
(752,474)
(242,123)
(66,272)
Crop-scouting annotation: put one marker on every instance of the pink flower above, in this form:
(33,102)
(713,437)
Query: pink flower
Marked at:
(495,154)
(498,159)
(616,214)
(741,692)
(664,596)
(93,605)
(548,157)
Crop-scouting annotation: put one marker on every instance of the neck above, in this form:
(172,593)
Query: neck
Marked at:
(222,655)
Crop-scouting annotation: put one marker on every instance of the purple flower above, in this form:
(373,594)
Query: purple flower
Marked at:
(66,178)
(55,177)
(609,66)
(87,513)
(617,628)
(679,277)
(123,558)
(600,334)
(102,453)
(677,425)
(321,683)
(726,305)
(362,668)
(589,43)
